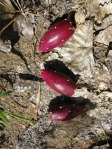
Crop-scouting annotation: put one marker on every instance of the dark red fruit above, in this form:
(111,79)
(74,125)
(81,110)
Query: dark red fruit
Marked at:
(65,112)
(56,36)
(59,82)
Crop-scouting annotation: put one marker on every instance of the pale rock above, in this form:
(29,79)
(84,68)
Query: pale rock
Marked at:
(5,46)
(105,36)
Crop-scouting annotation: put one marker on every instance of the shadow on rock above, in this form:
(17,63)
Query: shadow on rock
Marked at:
(59,66)
(8,78)
(18,53)
(8,33)
(29,77)
(83,102)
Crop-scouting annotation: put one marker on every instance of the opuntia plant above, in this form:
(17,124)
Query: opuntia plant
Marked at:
(59,82)
(65,112)
(57,35)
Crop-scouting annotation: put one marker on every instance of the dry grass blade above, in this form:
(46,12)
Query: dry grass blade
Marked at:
(17,3)
(37,103)
(7,4)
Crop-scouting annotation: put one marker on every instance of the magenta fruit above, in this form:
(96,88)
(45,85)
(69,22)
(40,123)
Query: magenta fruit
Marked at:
(59,82)
(65,112)
(57,35)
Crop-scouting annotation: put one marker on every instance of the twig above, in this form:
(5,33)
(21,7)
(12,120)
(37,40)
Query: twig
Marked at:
(8,5)
(37,103)
(7,25)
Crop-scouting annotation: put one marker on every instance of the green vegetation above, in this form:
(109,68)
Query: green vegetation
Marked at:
(5,93)
(4,113)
